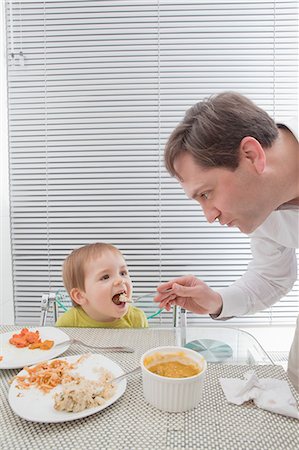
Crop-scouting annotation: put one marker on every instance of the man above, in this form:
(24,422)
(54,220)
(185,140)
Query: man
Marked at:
(243,170)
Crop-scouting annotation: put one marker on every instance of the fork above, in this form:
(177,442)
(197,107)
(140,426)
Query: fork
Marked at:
(108,349)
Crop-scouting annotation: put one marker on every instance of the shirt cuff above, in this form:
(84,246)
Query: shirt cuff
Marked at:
(234,303)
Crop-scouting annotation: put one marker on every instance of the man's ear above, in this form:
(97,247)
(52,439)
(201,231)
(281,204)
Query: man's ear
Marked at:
(78,296)
(253,152)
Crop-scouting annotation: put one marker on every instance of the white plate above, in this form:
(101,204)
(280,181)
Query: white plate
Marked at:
(43,410)
(15,358)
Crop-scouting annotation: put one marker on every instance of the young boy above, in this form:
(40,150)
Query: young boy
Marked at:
(97,280)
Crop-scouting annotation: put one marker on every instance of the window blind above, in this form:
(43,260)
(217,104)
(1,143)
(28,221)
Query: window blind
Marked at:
(94,90)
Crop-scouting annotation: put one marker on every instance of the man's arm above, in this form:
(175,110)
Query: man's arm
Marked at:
(270,275)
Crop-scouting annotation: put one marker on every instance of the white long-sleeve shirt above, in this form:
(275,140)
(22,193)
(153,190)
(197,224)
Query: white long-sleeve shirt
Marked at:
(273,269)
(270,275)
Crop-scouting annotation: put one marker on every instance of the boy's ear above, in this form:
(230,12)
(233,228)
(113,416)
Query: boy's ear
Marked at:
(253,152)
(78,296)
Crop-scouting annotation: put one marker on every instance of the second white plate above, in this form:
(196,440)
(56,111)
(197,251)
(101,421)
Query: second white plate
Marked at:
(21,400)
(15,358)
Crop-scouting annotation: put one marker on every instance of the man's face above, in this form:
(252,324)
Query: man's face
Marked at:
(105,277)
(235,198)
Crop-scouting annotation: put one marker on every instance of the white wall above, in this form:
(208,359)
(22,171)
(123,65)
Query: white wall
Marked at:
(6,291)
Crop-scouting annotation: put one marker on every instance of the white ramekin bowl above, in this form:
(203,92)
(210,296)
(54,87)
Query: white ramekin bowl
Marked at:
(173,394)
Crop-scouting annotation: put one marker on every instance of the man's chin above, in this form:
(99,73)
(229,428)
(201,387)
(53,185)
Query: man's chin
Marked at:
(245,230)
(248,229)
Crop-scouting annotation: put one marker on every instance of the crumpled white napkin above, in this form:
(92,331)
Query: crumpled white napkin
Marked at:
(267,393)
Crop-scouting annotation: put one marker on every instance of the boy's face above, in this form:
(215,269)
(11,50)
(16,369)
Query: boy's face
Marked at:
(105,277)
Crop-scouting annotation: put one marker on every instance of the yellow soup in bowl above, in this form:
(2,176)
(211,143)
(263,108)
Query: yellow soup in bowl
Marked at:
(173,365)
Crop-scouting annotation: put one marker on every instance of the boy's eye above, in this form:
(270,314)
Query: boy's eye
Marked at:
(105,277)
(124,273)
(204,195)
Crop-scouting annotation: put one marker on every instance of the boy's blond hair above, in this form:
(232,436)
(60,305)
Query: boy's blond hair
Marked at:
(73,269)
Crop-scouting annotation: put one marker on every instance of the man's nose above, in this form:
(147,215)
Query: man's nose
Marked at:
(211,213)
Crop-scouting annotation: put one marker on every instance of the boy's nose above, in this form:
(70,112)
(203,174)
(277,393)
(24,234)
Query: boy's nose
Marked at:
(118,282)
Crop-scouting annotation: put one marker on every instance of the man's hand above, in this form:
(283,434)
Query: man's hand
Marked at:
(189,293)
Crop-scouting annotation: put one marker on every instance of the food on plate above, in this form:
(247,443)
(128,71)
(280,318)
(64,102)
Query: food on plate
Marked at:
(77,394)
(81,393)
(43,345)
(47,375)
(173,365)
(30,339)
(24,338)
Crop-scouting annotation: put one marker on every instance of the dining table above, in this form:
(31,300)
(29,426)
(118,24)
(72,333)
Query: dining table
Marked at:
(131,423)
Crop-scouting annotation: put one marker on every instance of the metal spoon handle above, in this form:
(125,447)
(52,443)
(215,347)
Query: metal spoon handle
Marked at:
(125,375)
(96,347)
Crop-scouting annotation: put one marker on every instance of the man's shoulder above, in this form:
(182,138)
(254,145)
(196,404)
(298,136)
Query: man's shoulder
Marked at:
(282,216)
(281,226)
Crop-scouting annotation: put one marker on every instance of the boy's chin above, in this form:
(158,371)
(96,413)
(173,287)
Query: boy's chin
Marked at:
(122,312)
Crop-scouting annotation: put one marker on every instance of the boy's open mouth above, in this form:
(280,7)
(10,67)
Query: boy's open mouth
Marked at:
(120,299)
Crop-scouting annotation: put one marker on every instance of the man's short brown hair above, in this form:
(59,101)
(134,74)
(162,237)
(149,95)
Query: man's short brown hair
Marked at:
(73,269)
(212,130)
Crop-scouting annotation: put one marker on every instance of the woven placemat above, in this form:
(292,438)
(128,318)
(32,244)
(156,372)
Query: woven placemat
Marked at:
(131,423)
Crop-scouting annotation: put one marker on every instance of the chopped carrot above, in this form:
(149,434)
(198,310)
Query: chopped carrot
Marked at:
(34,345)
(30,339)
(46,345)
(47,375)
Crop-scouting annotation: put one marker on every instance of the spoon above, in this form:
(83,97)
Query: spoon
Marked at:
(71,341)
(125,375)
(122,298)
(117,301)
(121,377)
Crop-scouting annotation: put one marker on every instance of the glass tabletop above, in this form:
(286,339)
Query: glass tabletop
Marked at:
(224,345)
